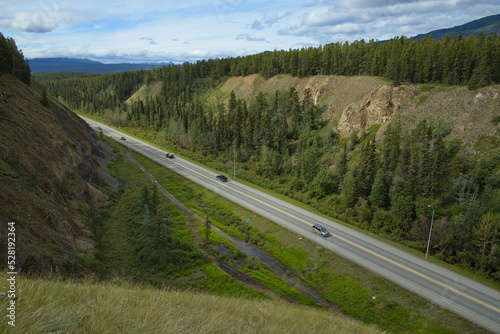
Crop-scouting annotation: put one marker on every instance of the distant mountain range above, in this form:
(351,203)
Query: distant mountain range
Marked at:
(52,65)
(488,25)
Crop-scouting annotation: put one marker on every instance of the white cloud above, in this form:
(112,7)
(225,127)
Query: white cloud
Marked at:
(269,20)
(30,22)
(380,19)
(157,29)
(248,37)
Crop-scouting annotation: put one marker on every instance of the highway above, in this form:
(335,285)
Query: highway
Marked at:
(468,298)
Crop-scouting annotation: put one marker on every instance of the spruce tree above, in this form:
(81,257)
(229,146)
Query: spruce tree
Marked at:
(379,191)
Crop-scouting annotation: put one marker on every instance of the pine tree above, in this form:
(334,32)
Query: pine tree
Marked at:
(367,167)
(486,232)
(342,165)
(295,113)
(349,188)
(379,192)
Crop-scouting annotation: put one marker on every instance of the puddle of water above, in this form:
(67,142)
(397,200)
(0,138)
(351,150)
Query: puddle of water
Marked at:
(222,249)
(258,254)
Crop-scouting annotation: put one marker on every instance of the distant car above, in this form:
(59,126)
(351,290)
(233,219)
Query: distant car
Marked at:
(318,229)
(221,178)
(169,155)
(99,128)
(122,138)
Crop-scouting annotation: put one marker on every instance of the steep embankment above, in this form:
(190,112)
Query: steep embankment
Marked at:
(50,166)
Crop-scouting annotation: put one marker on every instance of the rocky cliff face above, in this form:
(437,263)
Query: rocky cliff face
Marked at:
(51,163)
(376,107)
(468,114)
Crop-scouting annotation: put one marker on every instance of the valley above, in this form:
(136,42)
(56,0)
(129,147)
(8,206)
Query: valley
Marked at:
(397,157)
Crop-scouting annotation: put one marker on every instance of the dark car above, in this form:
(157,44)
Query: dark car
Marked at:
(221,178)
(169,155)
(122,138)
(318,229)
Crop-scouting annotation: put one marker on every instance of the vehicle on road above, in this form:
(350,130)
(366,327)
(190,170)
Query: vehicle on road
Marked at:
(318,229)
(169,155)
(123,138)
(221,178)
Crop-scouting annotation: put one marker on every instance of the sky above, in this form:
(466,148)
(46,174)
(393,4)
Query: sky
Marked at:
(189,30)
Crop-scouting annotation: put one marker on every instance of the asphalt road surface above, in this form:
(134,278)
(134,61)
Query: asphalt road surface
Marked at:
(468,298)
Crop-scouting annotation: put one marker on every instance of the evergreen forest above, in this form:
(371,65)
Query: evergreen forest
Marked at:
(12,60)
(393,187)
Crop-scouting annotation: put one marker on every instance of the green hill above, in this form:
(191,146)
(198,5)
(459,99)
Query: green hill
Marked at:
(55,65)
(488,25)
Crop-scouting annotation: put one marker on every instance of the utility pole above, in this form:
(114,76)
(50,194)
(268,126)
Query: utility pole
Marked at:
(430,231)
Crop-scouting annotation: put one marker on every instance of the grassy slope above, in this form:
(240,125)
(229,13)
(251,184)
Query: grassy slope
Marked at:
(50,306)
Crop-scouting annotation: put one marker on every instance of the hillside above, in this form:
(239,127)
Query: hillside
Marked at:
(54,65)
(354,104)
(52,170)
(111,307)
(488,25)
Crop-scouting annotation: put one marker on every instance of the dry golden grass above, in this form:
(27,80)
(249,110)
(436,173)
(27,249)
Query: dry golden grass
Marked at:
(54,306)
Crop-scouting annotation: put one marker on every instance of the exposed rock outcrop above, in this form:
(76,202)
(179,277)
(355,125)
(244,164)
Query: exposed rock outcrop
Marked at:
(376,107)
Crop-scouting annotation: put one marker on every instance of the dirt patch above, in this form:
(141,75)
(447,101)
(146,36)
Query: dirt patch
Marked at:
(333,92)
(151,90)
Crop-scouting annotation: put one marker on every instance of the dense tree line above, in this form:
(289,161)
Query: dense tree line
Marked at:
(12,60)
(472,61)
(456,61)
(279,140)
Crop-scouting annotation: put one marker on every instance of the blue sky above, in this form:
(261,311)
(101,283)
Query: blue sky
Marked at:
(162,31)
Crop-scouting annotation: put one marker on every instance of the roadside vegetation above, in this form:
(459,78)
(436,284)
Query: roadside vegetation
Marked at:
(355,291)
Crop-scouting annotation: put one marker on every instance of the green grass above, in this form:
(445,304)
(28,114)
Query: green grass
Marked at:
(276,283)
(218,282)
(422,99)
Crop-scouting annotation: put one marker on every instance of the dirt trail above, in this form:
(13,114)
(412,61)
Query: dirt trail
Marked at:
(290,276)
